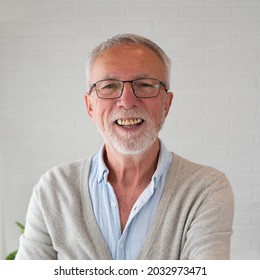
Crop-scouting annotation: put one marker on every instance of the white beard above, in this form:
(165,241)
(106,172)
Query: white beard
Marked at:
(131,143)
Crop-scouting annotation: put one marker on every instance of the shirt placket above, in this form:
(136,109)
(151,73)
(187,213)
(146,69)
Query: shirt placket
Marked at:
(114,210)
(121,244)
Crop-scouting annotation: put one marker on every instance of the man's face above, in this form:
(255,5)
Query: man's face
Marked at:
(128,124)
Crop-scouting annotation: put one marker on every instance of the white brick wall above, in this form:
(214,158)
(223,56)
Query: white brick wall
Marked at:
(215,118)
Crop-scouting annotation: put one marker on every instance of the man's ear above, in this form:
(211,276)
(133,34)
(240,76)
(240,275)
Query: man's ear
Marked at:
(168,102)
(89,105)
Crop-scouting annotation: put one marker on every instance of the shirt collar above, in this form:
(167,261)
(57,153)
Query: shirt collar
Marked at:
(102,168)
(164,159)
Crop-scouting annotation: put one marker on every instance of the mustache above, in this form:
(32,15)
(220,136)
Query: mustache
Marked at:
(128,114)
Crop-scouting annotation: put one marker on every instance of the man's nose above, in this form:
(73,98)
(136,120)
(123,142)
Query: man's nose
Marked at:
(128,98)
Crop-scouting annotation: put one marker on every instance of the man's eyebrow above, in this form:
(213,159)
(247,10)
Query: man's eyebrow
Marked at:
(134,77)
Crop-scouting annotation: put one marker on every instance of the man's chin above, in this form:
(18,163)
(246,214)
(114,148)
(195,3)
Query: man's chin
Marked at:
(128,151)
(130,143)
(132,147)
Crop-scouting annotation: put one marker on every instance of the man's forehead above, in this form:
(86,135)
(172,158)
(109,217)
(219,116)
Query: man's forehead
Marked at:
(131,50)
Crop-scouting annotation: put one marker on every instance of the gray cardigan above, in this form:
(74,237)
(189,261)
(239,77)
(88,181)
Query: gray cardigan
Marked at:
(193,219)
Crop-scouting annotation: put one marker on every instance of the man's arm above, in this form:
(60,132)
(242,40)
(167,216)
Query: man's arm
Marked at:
(210,231)
(35,243)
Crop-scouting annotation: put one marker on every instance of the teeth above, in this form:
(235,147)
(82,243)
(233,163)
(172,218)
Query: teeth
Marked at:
(129,121)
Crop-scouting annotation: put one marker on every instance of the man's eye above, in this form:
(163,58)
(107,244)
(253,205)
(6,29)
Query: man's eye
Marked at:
(145,85)
(110,86)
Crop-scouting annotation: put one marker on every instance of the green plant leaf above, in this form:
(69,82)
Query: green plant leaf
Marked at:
(21,226)
(11,256)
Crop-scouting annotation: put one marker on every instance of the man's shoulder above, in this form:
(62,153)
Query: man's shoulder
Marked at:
(64,169)
(191,181)
(187,169)
(67,175)
(192,164)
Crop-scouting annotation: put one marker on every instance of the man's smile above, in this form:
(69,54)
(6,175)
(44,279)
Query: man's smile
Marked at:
(129,122)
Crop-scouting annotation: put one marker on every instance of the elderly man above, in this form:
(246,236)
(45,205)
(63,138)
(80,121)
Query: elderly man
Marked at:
(134,199)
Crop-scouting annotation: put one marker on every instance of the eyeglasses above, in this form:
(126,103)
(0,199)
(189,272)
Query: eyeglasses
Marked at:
(142,88)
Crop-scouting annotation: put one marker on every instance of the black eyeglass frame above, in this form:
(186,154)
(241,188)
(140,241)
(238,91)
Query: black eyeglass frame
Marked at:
(128,81)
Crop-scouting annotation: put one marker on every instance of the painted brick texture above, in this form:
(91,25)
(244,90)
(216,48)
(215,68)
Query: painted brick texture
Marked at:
(215,117)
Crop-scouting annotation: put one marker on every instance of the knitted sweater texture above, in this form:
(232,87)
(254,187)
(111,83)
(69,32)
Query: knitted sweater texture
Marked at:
(193,219)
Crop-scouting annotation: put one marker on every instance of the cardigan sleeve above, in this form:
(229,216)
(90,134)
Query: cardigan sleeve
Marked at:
(210,231)
(35,243)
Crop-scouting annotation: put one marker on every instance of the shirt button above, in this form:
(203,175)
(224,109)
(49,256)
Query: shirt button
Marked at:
(113,204)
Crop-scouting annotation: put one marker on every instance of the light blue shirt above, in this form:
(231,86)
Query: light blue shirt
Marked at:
(125,245)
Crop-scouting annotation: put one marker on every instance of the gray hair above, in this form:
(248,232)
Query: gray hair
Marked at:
(129,39)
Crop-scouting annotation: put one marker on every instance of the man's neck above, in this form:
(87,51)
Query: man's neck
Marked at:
(131,170)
